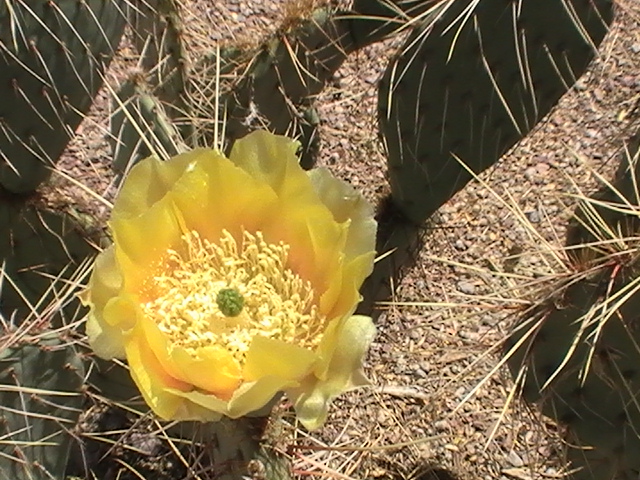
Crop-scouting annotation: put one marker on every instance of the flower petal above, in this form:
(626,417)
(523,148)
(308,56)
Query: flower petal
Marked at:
(315,241)
(106,341)
(347,205)
(254,396)
(343,295)
(269,356)
(311,401)
(227,197)
(105,281)
(132,236)
(215,371)
(142,242)
(351,209)
(121,311)
(152,379)
(149,181)
(250,398)
(207,402)
(272,159)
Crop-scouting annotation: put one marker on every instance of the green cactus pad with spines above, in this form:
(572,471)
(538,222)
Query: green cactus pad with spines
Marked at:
(52,58)
(140,127)
(157,35)
(613,207)
(465,88)
(579,350)
(600,409)
(401,237)
(280,79)
(277,83)
(111,379)
(40,402)
(242,448)
(42,253)
(373,20)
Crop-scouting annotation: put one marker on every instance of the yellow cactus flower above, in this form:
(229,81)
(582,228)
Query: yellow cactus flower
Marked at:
(232,279)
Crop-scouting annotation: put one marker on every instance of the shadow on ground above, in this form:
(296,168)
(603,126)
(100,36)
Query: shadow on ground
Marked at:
(425,472)
(431,472)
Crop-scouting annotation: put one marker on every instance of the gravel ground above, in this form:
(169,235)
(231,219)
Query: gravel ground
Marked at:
(452,309)
(511,220)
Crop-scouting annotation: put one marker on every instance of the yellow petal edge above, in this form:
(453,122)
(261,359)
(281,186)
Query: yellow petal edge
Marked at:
(328,231)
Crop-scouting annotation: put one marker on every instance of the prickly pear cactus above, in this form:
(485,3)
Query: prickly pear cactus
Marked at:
(244,448)
(271,86)
(279,80)
(577,353)
(581,359)
(472,82)
(156,29)
(140,127)
(40,400)
(42,254)
(52,60)
(467,85)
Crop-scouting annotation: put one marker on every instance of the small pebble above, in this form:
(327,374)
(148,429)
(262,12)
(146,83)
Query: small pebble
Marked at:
(514,459)
(467,288)
(533,216)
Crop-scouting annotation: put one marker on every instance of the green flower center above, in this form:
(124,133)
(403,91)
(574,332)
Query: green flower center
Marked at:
(227,293)
(230,302)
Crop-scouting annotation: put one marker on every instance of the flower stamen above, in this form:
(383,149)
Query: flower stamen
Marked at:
(225,294)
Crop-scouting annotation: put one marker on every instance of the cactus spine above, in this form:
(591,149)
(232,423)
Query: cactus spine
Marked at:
(42,253)
(40,381)
(465,87)
(577,353)
(52,60)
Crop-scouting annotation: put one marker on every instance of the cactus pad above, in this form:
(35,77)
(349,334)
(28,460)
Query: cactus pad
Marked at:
(243,448)
(140,127)
(578,352)
(41,252)
(582,363)
(52,57)
(157,35)
(40,401)
(472,82)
